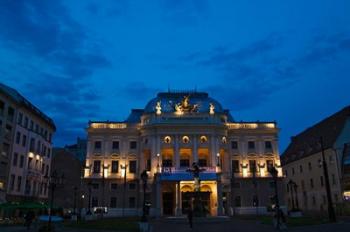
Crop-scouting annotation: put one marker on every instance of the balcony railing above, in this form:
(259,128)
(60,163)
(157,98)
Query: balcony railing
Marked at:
(174,170)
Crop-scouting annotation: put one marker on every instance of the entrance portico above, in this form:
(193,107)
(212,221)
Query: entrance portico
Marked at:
(177,192)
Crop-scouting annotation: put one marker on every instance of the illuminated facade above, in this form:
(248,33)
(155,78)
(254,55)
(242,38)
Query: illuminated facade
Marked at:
(25,148)
(173,131)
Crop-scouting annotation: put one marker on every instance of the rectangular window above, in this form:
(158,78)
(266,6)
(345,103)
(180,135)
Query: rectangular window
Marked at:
(19,183)
(311,183)
(32,145)
(301,169)
(132,166)
(115,166)
(25,121)
(251,145)
(24,140)
(252,166)
(235,166)
(38,147)
(20,118)
(234,145)
(184,163)
(310,167)
(321,180)
(12,182)
(333,180)
(293,172)
(21,161)
(98,145)
(31,127)
(268,145)
(18,137)
(114,186)
(113,203)
(37,128)
(132,202)
(115,145)
(238,201)
(30,160)
(15,159)
(133,145)
(10,113)
(269,164)
(202,162)
(94,202)
(148,165)
(97,166)
(132,186)
(2,107)
(167,163)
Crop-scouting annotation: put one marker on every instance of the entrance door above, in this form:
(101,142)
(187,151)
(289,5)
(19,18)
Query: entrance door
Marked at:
(168,203)
(188,197)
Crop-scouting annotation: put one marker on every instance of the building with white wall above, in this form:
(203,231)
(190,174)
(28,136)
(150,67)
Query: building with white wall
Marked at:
(173,131)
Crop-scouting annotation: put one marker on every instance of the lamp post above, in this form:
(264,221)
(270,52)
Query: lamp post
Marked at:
(274,173)
(144,178)
(158,164)
(331,213)
(124,167)
(54,181)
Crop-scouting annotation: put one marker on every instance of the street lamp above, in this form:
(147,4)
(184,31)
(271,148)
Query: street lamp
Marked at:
(158,164)
(274,173)
(54,181)
(124,167)
(144,178)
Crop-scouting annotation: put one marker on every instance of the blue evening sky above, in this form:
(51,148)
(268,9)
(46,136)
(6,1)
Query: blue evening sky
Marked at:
(96,59)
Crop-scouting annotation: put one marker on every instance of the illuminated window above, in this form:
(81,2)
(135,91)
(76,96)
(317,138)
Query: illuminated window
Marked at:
(185,139)
(167,139)
(203,139)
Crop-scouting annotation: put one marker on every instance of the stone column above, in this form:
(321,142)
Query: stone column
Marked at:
(213,151)
(219,195)
(177,152)
(178,208)
(195,149)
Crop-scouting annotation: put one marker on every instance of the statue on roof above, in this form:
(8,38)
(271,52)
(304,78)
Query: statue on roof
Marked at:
(211,108)
(158,108)
(185,106)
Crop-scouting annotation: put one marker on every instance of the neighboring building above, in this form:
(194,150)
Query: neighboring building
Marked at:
(78,149)
(67,196)
(25,144)
(174,130)
(302,163)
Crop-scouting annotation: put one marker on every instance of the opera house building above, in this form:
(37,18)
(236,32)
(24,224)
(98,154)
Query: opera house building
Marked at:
(159,147)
